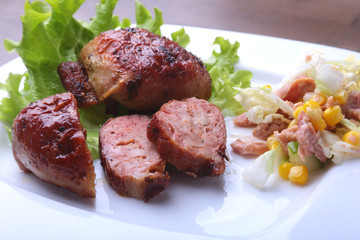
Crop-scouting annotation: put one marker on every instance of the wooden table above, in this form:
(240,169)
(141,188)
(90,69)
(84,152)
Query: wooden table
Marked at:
(329,22)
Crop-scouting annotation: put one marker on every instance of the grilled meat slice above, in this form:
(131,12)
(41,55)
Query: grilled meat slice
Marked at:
(142,70)
(191,135)
(49,141)
(131,164)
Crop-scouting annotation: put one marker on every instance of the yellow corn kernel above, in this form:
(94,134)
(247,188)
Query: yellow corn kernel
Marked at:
(341,97)
(297,111)
(333,115)
(316,120)
(353,138)
(267,86)
(298,174)
(271,142)
(313,105)
(313,110)
(320,98)
(284,170)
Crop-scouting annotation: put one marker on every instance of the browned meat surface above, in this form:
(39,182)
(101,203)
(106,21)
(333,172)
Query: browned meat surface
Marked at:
(49,141)
(247,145)
(243,121)
(308,138)
(265,130)
(351,109)
(132,165)
(285,136)
(74,79)
(190,135)
(295,90)
(142,70)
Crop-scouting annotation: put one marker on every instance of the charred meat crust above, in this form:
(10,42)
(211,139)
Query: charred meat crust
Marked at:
(142,70)
(49,141)
(191,136)
(75,80)
(131,164)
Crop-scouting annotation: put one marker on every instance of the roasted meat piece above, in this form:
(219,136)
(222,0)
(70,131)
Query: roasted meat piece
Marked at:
(49,141)
(191,135)
(73,76)
(142,70)
(132,165)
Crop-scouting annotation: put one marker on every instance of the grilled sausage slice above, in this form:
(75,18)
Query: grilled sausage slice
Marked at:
(49,141)
(131,164)
(190,135)
(142,70)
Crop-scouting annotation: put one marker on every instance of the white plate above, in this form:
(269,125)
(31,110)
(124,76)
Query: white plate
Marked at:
(209,208)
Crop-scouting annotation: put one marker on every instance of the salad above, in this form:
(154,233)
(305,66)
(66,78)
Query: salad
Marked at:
(310,119)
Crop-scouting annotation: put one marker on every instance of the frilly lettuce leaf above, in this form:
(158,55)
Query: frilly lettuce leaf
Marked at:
(144,19)
(181,37)
(226,82)
(10,106)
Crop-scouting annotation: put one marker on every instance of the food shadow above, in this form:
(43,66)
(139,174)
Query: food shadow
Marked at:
(174,209)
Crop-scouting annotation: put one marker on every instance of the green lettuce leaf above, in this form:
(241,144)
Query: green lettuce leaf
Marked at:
(144,19)
(181,37)
(226,82)
(10,106)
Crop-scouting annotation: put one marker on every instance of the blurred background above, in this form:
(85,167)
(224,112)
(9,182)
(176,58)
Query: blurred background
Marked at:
(330,22)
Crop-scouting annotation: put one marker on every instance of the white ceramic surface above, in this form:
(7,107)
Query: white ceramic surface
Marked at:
(209,208)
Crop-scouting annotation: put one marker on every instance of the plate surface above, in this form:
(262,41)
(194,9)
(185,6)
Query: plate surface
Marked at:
(225,207)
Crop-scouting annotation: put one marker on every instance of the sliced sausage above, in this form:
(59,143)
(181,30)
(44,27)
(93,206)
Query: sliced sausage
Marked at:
(131,163)
(190,135)
(49,141)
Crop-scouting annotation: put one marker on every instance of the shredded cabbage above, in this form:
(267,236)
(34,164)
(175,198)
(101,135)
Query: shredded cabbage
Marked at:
(350,125)
(336,149)
(262,106)
(328,80)
(258,173)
